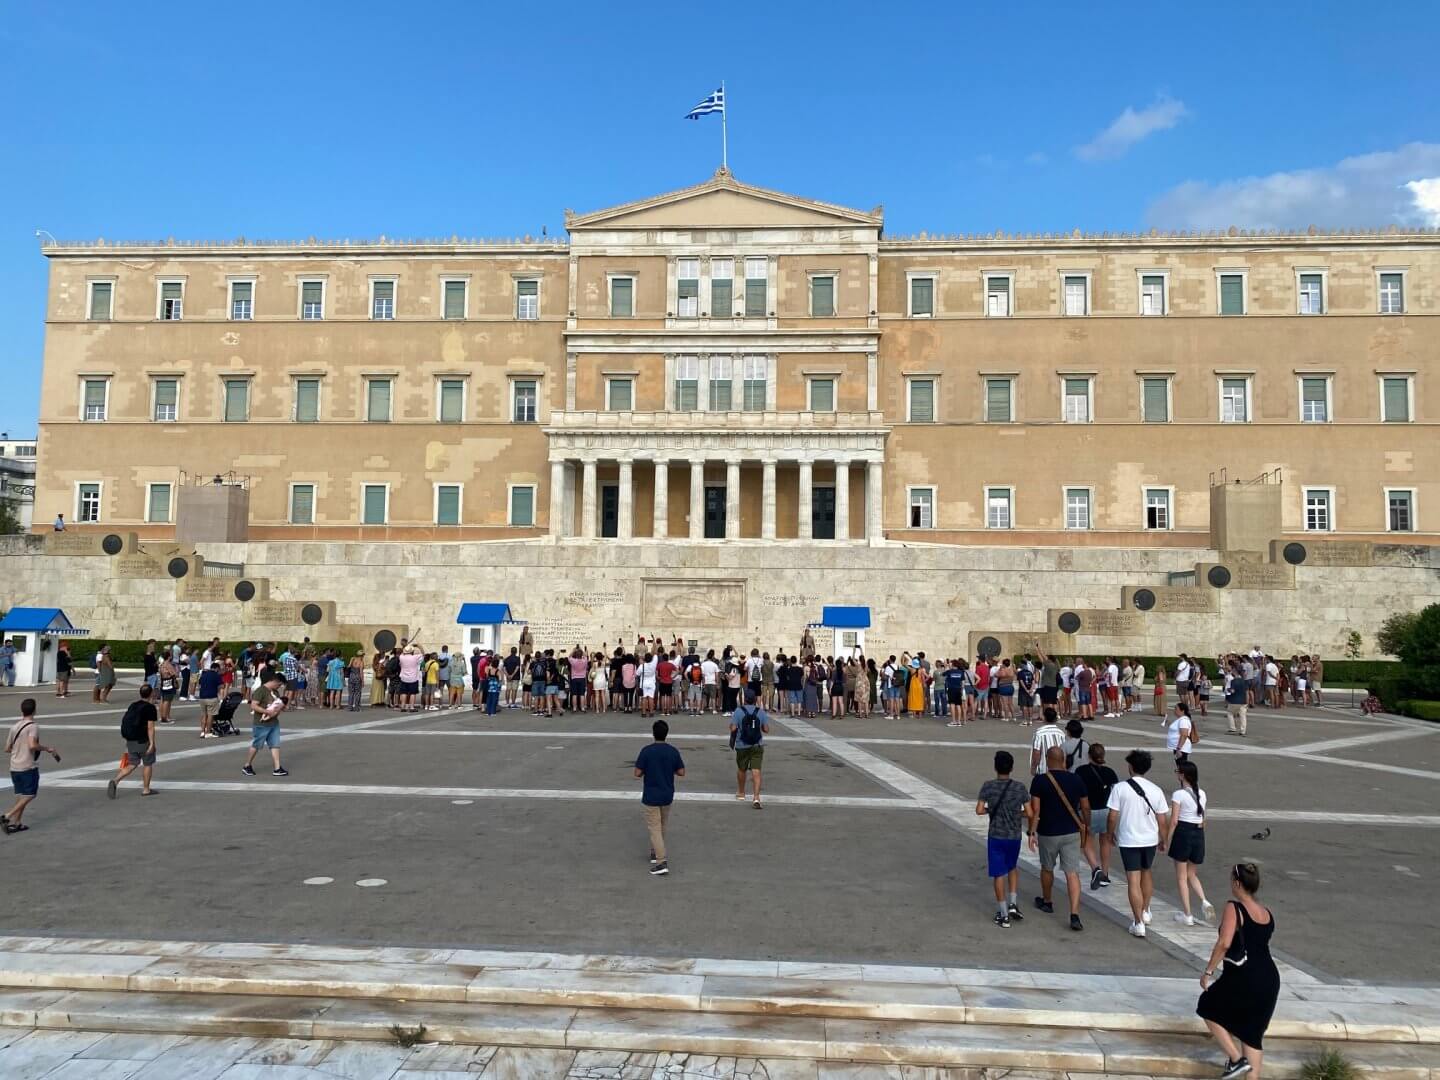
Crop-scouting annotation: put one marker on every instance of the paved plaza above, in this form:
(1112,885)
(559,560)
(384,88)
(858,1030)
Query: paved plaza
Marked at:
(457,830)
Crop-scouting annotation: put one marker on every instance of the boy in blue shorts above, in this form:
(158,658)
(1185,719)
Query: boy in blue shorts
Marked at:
(1007,802)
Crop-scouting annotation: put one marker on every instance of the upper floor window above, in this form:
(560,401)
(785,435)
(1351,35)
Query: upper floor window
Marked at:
(687,383)
(1157,508)
(157,503)
(87,502)
(1152,294)
(998,294)
(1319,512)
(455,298)
(999,401)
(450,403)
(242,300)
(1399,510)
(172,300)
(1076,294)
(757,281)
(922,508)
(1315,399)
(236,394)
(922,296)
(312,299)
(1079,398)
(522,505)
(822,394)
(1311,289)
(722,287)
(1395,392)
(721,383)
(95,399)
(448,498)
(302,504)
(1077,508)
(1155,399)
(1231,288)
(622,296)
(525,400)
(527,298)
(377,400)
(620,393)
(102,301)
(374,504)
(382,298)
(1392,292)
(307,401)
(1235,401)
(755,376)
(822,295)
(999,507)
(920,408)
(167,399)
(687,288)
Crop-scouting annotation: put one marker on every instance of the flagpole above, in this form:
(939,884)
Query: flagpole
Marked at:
(724,136)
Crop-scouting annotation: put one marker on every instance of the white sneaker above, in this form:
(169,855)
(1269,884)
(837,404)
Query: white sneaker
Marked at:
(1183,919)
(1146,916)
(1137,929)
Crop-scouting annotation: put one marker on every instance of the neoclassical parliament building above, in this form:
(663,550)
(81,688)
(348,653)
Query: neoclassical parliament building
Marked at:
(729,363)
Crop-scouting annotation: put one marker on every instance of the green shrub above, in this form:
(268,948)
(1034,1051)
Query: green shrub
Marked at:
(1420,710)
(130,654)
(1330,1064)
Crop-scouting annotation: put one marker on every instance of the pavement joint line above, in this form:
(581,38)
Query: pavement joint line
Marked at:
(1361,740)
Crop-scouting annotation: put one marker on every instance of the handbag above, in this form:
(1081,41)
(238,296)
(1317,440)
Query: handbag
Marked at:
(1081,825)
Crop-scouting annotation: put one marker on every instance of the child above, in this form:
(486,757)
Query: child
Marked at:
(492,690)
(432,683)
(1007,802)
(209,695)
(1371,705)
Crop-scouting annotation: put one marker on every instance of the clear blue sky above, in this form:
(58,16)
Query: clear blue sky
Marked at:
(427,119)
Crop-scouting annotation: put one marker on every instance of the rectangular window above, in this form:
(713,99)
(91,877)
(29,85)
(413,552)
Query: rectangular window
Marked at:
(447,504)
(997,296)
(1232,294)
(172,300)
(1314,399)
(721,384)
(922,297)
(687,288)
(1392,294)
(157,503)
(1234,401)
(822,395)
(622,297)
(522,505)
(1318,516)
(1152,294)
(87,498)
(237,400)
(374,504)
(96,394)
(302,504)
(167,399)
(242,300)
(1077,401)
(1157,508)
(620,394)
(307,401)
(526,396)
(312,299)
(1400,510)
(377,400)
(757,274)
(999,505)
(1077,294)
(455,299)
(102,300)
(822,296)
(755,371)
(999,401)
(1155,400)
(1077,508)
(452,401)
(1312,294)
(922,401)
(722,288)
(1395,399)
(382,300)
(527,299)
(922,508)
(687,383)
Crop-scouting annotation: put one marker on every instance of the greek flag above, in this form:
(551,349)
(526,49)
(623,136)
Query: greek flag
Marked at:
(714,103)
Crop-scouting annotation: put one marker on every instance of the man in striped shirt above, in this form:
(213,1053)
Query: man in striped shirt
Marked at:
(1047,735)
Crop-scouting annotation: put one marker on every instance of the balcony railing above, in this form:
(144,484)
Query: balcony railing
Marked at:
(741,420)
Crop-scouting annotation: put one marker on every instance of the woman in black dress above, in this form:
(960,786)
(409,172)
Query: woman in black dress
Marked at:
(1238,1005)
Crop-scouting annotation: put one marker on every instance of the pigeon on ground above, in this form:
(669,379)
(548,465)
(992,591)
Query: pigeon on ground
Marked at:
(1261,835)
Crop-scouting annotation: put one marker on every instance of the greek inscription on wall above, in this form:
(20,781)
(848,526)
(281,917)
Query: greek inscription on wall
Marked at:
(138,566)
(273,612)
(687,604)
(1264,576)
(558,634)
(787,600)
(72,544)
(1110,623)
(1338,553)
(595,599)
(207,590)
(1178,599)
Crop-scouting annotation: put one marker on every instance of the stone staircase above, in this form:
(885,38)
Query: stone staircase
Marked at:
(976,1019)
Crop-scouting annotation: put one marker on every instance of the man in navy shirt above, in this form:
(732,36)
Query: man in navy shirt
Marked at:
(658,765)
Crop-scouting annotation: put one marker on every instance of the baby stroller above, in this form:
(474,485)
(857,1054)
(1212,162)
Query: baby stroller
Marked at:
(223,722)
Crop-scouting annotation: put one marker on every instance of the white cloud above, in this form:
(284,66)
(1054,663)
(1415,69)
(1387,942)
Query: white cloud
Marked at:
(1399,186)
(1130,127)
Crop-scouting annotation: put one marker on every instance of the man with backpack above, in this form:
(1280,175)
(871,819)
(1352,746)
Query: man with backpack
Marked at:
(24,747)
(748,728)
(137,728)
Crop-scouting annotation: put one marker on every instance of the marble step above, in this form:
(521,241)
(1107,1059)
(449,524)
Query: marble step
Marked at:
(1164,1006)
(1032,1048)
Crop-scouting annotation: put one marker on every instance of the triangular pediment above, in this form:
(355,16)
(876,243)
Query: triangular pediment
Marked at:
(723,202)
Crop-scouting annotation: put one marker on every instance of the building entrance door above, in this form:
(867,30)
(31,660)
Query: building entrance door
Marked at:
(715,513)
(610,510)
(822,513)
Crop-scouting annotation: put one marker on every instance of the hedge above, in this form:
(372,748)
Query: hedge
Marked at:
(130,654)
(1420,710)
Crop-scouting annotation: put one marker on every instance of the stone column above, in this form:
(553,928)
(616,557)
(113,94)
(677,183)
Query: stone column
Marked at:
(587,502)
(567,515)
(697,499)
(662,499)
(874,499)
(767,502)
(626,527)
(732,500)
(557,499)
(842,500)
(807,470)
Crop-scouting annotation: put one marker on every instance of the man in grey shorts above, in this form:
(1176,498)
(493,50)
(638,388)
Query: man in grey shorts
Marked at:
(1060,811)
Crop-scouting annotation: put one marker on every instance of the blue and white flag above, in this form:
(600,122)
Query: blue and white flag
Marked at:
(714,103)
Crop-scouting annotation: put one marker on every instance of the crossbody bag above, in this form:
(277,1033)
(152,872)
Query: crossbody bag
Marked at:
(1084,827)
